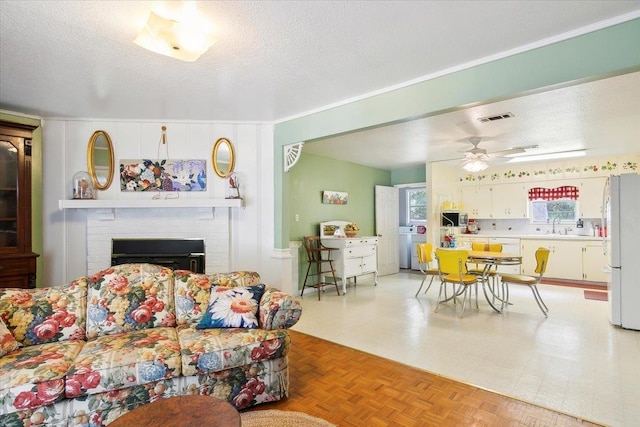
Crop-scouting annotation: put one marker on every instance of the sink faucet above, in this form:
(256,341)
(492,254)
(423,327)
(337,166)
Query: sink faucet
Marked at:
(553,225)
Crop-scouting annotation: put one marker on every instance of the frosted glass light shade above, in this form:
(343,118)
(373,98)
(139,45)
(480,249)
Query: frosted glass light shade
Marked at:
(184,40)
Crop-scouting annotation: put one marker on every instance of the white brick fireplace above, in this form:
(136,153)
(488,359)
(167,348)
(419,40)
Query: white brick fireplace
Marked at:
(210,224)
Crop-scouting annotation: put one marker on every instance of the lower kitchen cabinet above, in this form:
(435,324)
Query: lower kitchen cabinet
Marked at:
(594,261)
(568,260)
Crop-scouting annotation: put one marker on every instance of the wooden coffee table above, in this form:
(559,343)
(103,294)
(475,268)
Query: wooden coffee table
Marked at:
(182,411)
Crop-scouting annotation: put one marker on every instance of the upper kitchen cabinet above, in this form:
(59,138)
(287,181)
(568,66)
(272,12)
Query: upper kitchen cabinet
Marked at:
(498,201)
(17,261)
(509,201)
(590,197)
(476,200)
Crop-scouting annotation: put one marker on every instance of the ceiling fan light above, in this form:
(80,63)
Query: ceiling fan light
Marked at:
(475,165)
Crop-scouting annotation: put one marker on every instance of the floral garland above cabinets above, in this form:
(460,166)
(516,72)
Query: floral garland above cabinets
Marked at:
(629,166)
(586,168)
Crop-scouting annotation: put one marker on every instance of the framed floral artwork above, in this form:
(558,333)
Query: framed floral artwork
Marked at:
(335,197)
(163,175)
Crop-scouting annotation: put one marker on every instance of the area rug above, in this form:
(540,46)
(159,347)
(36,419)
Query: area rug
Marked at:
(275,418)
(595,295)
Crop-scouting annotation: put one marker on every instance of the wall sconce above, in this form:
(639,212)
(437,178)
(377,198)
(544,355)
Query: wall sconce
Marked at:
(184,38)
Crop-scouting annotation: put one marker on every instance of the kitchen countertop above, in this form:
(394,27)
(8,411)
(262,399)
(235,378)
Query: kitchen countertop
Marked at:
(539,236)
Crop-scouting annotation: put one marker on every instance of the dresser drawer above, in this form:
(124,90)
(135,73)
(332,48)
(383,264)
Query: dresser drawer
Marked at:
(359,251)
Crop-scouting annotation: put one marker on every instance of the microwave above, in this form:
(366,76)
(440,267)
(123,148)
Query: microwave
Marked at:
(455,219)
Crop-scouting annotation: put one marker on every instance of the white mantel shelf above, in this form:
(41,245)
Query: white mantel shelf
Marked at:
(150,203)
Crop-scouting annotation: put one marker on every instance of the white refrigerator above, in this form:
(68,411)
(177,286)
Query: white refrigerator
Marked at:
(622,203)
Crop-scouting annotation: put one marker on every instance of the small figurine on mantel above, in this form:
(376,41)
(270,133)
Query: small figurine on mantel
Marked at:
(233,190)
(83,186)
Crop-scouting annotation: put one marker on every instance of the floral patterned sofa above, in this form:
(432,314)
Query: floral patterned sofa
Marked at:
(87,352)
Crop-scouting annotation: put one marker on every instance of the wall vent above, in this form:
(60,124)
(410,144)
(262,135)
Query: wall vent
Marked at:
(496,117)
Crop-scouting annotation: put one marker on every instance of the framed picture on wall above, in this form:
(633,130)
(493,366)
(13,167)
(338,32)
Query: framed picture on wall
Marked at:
(335,197)
(163,175)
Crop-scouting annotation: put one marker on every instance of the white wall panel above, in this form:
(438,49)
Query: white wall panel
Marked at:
(237,238)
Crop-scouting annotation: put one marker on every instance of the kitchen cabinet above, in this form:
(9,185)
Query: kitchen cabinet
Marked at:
(500,201)
(355,257)
(594,261)
(568,260)
(17,261)
(464,241)
(477,201)
(565,259)
(509,201)
(590,197)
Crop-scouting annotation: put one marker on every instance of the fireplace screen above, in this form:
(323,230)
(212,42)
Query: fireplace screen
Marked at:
(177,254)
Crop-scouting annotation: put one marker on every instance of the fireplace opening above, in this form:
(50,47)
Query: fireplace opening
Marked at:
(177,254)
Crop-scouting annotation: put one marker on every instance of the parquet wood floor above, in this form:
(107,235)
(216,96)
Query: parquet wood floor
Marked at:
(351,388)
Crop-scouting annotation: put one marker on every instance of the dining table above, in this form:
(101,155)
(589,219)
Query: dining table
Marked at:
(490,259)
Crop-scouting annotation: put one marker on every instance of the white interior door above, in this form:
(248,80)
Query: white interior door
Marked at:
(387,208)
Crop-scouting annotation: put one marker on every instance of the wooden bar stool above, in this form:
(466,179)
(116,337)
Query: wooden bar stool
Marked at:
(320,257)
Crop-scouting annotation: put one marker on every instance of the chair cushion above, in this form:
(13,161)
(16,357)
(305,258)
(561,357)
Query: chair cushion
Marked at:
(467,279)
(112,362)
(38,316)
(7,342)
(235,307)
(33,376)
(480,271)
(129,297)
(518,279)
(192,291)
(212,350)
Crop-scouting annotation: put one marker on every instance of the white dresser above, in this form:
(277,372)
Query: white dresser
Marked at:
(355,256)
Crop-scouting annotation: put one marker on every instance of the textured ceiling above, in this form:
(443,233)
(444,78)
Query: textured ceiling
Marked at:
(273,60)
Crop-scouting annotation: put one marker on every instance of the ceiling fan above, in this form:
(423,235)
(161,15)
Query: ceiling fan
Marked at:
(475,159)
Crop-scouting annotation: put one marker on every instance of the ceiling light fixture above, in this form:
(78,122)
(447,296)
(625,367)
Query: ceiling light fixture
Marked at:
(185,37)
(549,156)
(474,165)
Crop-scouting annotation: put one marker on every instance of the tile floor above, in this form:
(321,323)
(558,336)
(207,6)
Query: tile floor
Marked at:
(574,361)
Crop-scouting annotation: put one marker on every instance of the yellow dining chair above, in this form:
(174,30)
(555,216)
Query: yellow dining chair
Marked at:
(452,269)
(479,268)
(425,258)
(542,258)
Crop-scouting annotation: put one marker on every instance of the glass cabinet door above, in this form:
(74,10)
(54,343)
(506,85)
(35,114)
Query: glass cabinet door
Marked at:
(8,194)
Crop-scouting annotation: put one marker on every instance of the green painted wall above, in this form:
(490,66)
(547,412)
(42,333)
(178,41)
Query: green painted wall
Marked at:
(408,176)
(313,174)
(36,187)
(590,56)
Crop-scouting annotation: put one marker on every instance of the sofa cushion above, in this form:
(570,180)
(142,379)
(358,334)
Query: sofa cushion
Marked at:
(235,307)
(112,362)
(33,376)
(129,297)
(7,342)
(192,291)
(211,350)
(38,316)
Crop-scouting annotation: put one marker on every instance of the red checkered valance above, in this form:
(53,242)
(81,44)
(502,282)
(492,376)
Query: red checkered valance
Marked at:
(565,192)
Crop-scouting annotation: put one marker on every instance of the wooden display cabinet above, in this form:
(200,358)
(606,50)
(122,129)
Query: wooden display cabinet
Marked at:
(17,261)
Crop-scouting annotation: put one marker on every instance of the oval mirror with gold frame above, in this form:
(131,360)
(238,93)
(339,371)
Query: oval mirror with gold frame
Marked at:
(100,160)
(223,157)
